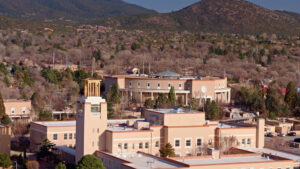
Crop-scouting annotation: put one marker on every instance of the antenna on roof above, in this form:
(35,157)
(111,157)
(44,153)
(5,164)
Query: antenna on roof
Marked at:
(149,67)
(143,66)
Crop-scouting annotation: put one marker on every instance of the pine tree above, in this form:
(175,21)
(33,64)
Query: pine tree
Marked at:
(172,97)
(291,95)
(2,108)
(167,151)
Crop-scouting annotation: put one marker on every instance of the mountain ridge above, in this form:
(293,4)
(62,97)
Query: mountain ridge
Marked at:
(45,10)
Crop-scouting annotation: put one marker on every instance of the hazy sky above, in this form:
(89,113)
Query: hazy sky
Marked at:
(173,5)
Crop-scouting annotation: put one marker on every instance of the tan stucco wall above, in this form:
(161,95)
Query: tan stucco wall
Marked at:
(39,132)
(18,107)
(5,135)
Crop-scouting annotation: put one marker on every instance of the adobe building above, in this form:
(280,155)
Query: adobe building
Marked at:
(281,126)
(186,130)
(5,136)
(142,87)
(18,110)
(61,133)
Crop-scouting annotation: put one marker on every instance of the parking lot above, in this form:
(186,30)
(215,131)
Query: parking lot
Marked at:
(286,138)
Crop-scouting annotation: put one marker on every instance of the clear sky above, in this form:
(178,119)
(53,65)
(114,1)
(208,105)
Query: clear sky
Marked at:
(173,5)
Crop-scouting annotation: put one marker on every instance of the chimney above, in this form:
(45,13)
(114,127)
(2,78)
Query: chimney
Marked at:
(260,138)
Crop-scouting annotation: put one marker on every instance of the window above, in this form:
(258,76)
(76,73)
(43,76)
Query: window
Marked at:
(158,85)
(65,136)
(95,108)
(169,85)
(24,110)
(74,135)
(70,145)
(177,154)
(188,154)
(70,136)
(120,146)
(148,85)
(179,86)
(140,145)
(133,146)
(177,143)
(157,144)
(130,84)
(139,84)
(12,110)
(199,142)
(249,141)
(125,146)
(199,154)
(54,136)
(243,141)
(188,142)
(147,145)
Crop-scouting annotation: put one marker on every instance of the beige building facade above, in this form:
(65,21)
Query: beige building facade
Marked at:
(18,110)
(5,136)
(61,133)
(145,87)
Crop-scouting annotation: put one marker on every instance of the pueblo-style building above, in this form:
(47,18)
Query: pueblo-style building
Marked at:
(186,130)
(18,110)
(142,87)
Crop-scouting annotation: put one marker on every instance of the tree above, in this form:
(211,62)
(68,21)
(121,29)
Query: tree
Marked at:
(45,115)
(172,97)
(167,151)
(61,166)
(2,108)
(5,161)
(90,162)
(32,165)
(272,101)
(135,46)
(226,143)
(5,120)
(291,95)
(211,110)
(46,150)
(149,104)
(161,101)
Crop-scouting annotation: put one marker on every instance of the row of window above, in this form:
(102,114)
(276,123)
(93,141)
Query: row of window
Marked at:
(158,85)
(71,136)
(23,110)
(140,145)
(248,141)
(188,142)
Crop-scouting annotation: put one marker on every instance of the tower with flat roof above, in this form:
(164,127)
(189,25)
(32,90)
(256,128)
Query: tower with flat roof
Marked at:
(91,120)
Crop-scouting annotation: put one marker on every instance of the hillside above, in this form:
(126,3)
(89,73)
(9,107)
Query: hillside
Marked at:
(238,16)
(45,10)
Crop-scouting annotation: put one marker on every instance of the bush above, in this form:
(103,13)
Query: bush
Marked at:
(61,166)
(90,162)
(45,115)
(5,120)
(5,161)
(32,165)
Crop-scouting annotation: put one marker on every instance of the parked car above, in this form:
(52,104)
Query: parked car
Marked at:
(281,135)
(292,134)
(297,140)
(270,135)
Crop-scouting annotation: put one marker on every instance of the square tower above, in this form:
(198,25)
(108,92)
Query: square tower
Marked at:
(91,120)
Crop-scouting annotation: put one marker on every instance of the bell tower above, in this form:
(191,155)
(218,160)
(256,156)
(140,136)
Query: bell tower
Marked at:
(91,120)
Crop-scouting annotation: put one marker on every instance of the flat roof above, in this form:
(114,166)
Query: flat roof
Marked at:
(287,155)
(15,100)
(223,125)
(145,161)
(224,160)
(121,128)
(174,111)
(56,123)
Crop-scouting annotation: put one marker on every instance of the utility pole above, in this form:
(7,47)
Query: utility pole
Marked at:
(53,58)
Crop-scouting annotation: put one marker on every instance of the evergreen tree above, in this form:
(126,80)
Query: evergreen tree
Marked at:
(172,97)
(61,166)
(272,101)
(291,95)
(149,104)
(46,150)
(5,120)
(167,151)
(211,110)
(90,162)
(161,101)
(2,108)
(5,161)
